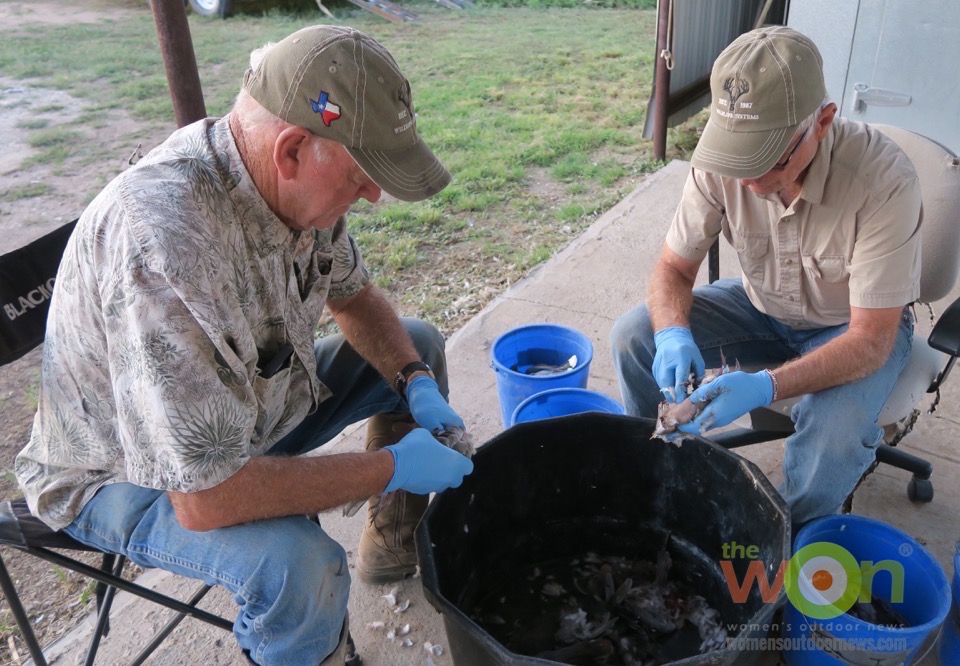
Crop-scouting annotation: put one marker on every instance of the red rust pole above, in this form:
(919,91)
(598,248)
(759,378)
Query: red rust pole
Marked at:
(661,83)
(173,33)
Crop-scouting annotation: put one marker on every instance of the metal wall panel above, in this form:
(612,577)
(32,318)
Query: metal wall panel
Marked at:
(701,30)
(890,61)
(833,36)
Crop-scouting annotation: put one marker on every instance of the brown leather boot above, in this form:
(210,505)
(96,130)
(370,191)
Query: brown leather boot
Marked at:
(387,552)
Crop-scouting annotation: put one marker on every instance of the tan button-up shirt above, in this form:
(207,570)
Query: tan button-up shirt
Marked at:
(852,236)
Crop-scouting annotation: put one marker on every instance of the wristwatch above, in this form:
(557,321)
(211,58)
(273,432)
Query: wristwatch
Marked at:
(400,381)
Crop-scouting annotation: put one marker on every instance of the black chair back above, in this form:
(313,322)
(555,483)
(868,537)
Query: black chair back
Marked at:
(27,276)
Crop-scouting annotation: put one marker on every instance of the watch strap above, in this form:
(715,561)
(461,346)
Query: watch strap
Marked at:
(402,377)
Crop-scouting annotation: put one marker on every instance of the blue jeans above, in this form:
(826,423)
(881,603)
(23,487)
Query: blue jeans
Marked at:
(288,576)
(836,430)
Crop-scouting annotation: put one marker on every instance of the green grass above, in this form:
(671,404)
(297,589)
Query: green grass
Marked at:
(53,146)
(32,391)
(503,91)
(33,123)
(29,191)
(87,593)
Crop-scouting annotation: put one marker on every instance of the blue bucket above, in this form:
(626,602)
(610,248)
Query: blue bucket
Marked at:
(518,350)
(563,401)
(878,553)
(950,641)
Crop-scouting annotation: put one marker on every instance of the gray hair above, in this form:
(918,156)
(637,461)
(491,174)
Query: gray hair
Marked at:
(810,120)
(254,118)
(257,121)
(257,54)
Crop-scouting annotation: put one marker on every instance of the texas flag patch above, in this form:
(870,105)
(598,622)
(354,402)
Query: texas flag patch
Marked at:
(328,110)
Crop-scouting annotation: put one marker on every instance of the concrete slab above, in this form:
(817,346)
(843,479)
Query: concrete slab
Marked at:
(586,286)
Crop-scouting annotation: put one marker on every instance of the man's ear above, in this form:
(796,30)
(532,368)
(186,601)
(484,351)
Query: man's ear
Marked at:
(288,151)
(824,120)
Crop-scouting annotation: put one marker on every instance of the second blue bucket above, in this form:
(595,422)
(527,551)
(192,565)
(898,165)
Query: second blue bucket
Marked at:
(849,557)
(950,641)
(562,402)
(519,350)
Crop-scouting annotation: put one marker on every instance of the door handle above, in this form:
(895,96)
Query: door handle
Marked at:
(864,94)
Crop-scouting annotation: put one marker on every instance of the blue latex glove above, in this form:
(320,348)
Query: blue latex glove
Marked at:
(422,465)
(428,407)
(677,356)
(729,397)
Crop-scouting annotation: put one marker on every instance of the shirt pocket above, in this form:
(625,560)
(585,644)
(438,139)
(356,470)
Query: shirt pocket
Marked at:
(272,403)
(752,250)
(827,283)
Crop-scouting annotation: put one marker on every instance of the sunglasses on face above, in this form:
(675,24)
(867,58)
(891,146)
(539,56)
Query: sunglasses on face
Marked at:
(780,166)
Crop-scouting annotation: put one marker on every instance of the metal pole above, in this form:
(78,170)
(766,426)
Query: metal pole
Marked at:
(173,33)
(661,83)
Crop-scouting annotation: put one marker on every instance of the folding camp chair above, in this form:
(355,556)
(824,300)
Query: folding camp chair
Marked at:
(26,282)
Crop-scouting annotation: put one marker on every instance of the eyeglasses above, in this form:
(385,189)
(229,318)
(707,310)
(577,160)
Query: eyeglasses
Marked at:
(780,166)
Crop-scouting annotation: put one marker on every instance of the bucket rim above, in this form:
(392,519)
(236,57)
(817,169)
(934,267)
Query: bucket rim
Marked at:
(574,390)
(581,363)
(936,571)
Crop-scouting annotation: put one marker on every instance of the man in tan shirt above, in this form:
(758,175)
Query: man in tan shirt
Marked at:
(824,214)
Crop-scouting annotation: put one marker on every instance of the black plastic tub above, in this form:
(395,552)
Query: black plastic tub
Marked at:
(562,486)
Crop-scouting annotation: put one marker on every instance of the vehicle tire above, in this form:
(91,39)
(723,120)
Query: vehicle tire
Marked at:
(221,8)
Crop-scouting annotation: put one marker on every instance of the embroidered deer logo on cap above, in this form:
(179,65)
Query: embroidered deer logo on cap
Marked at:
(735,88)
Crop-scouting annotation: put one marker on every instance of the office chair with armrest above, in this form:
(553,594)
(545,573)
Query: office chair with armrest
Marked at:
(26,281)
(930,360)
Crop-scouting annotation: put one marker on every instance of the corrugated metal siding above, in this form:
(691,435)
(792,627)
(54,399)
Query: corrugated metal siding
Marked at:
(701,30)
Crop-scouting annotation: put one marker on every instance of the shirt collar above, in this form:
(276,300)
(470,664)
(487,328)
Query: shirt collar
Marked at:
(267,232)
(816,178)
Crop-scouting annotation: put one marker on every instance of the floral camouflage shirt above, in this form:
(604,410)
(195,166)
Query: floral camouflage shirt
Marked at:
(178,294)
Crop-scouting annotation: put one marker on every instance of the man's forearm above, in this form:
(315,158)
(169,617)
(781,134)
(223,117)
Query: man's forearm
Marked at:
(374,330)
(275,486)
(669,297)
(847,358)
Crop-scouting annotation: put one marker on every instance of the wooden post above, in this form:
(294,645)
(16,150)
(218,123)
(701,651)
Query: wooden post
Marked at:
(183,79)
(661,83)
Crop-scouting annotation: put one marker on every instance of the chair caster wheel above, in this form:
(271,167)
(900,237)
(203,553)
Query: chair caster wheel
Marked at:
(920,490)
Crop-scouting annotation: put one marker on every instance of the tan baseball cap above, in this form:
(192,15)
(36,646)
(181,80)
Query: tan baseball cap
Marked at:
(344,86)
(762,87)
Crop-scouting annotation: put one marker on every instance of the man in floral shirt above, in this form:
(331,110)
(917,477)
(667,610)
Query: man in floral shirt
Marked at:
(181,378)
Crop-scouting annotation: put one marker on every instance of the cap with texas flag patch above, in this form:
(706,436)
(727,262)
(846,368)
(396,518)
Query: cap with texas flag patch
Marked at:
(345,86)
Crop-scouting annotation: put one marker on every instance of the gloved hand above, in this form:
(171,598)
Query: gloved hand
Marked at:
(428,407)
(422,465)
(728,397)
(677,356)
